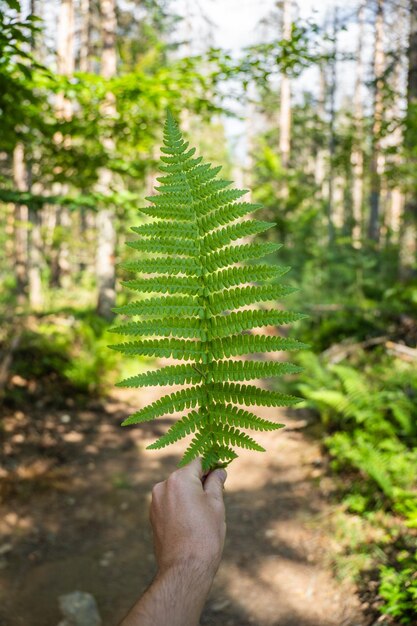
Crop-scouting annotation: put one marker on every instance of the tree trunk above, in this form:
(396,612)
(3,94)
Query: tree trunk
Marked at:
(65,54)
(35,258)
(20,223)
(35,244)
(85,37)
(376,156)
(332,137)
(106,232)
(408,237)
(285,93)
(320,153)
(357,152)
(63,107)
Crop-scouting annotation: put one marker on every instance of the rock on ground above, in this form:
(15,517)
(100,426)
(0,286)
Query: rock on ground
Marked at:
(79,609)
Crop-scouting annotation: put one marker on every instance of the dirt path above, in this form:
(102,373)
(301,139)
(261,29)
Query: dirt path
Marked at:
(76,490)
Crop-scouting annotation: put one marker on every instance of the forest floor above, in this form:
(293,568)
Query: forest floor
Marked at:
(75,493)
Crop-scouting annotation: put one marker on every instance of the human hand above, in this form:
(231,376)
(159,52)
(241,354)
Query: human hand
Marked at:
(188,518)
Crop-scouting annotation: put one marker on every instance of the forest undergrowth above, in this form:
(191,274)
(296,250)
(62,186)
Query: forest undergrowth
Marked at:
(360,383)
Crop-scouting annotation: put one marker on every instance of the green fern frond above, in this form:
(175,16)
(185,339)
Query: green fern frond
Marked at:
(169,375)
(195,254)
(184,327)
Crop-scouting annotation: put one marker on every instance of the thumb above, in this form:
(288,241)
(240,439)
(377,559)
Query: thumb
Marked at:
(214,483)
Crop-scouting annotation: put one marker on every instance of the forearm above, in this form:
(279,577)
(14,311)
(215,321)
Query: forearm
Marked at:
(175,598)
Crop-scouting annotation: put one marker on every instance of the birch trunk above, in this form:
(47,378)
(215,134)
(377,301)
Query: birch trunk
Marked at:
(320,168)
(85,36)
(408,237)
(376,156)
(35,260)
(332,138)
(357,153)
(285,94)
(34,241)
(65,67)
(106,233)
(20,223)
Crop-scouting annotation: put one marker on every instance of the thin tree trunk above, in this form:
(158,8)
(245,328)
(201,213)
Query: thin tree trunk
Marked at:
(63,106)
(320,169)
(85,36)
(106,233)
(65,54)
(34,241)
(35,257)
(332,137)
(393,142)
(408,237)
(357,153)
(376,156)
(285,93)
(20,223)
(86,217)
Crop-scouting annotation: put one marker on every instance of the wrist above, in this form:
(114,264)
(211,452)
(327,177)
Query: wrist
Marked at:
(193,570)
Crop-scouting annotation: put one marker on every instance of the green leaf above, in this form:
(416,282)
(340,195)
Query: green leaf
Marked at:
(189,254)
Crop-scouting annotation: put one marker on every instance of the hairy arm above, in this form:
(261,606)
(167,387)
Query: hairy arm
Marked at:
(188,523)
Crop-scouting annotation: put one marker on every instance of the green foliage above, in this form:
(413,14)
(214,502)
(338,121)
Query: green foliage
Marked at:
(199,318)
(368,406)
(374,415)
(398,587)
(67,351)
(20,102)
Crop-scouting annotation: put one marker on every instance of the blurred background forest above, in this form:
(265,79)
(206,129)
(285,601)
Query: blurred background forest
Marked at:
(316,113)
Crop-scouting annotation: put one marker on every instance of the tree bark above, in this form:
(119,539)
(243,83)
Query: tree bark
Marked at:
(65,54)
(332,137)
(85,37)
(20,223)
(63,107)
(285,93)
(320,156)
(35,259)
(35,244)
(106,232)
(357,152)
(378,110)
(408,236)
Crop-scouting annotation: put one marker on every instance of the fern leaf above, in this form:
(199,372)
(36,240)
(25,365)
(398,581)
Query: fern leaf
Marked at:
(197,447)
(186,398)
(195,282)
(170,305)
(176,348)
(230,435)
(167,228)
(182,427)
(235,254)
(250,395)
(159,245)
(241,296)
(223,236)
(162,284)
(237,345)
(226,214)
(189,267)
(239,417)
(233,276)
(169,375)
(225,325)
(233,371)
(183,327)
